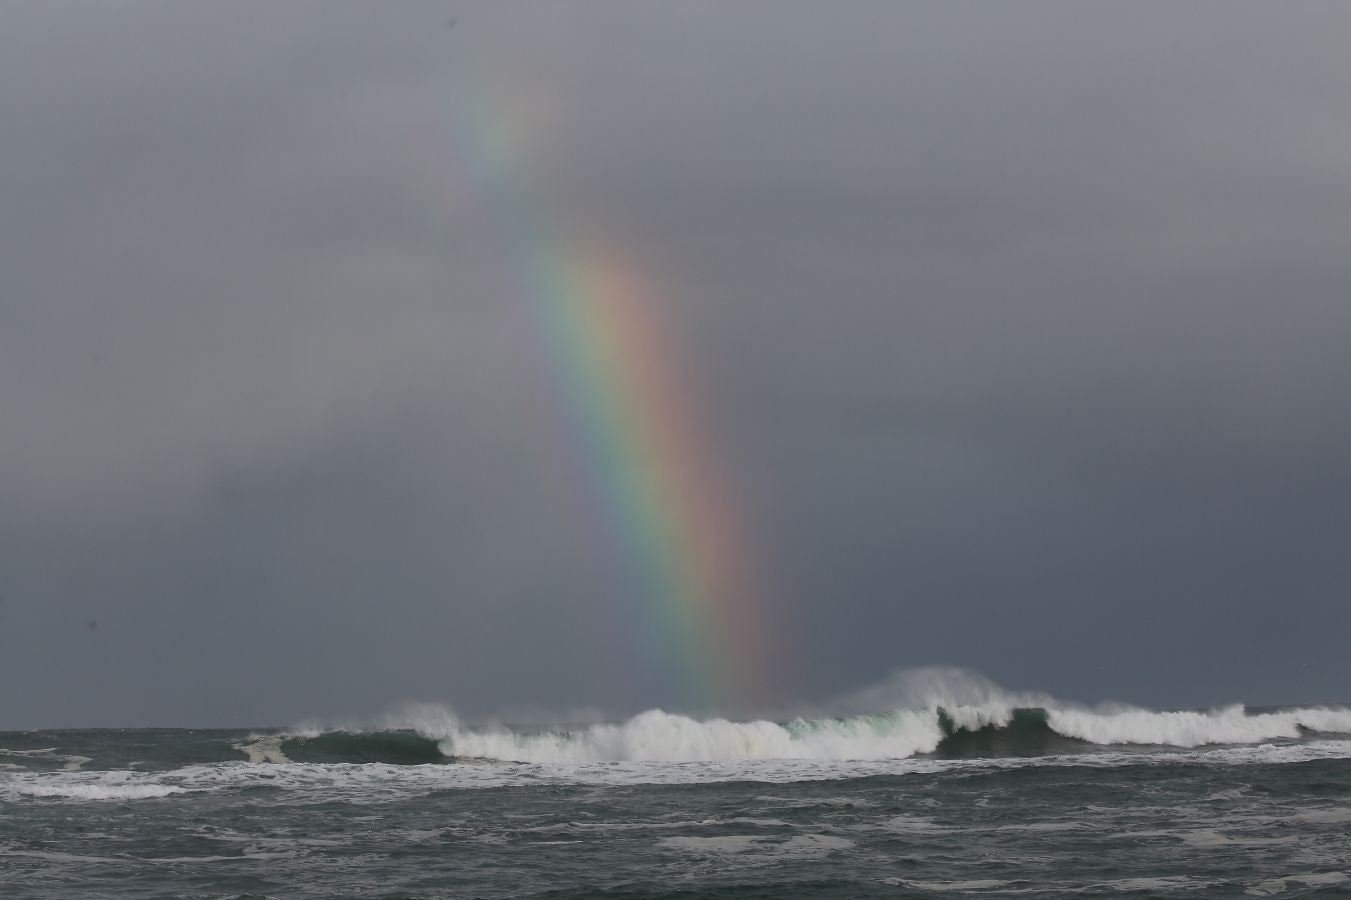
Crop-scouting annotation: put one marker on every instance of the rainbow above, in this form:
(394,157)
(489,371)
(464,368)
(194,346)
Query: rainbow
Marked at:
(672,516)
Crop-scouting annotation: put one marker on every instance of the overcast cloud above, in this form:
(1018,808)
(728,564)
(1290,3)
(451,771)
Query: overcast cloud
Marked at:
(1024,327)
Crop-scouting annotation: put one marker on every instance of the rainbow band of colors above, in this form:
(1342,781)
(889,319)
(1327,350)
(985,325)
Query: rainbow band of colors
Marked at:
(633,411)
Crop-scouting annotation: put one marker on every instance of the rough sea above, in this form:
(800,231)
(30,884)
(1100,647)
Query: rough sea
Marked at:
(962,801)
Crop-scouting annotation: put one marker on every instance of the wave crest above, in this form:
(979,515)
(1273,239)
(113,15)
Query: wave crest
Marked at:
(1229,725)
(657,736)
(931,711)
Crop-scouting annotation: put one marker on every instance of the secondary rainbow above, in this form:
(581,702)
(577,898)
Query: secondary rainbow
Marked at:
(672,515)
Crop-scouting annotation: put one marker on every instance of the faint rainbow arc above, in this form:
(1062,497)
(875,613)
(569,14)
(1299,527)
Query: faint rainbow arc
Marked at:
(635,416)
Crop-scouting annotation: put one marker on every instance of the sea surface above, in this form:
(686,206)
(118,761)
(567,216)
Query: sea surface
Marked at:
(966,801)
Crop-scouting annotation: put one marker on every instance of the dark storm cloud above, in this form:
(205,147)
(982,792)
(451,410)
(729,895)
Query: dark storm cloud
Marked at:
(1025,326)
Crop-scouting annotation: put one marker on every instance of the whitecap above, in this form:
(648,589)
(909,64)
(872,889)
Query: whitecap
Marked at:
(1312,879)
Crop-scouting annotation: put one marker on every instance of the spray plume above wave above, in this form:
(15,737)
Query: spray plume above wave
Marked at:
(938,711)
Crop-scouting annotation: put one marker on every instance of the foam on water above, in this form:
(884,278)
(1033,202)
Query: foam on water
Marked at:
(72,762)
(766,847)
(263,749)
(912,712)
(97,791)
(73,784)
(1159,883)
(1229,725)
(1311,879)
(977,885)
(382,782)
(657,736)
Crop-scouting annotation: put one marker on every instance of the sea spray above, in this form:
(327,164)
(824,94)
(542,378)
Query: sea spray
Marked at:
(1228,725)
(940,711)
(657,736)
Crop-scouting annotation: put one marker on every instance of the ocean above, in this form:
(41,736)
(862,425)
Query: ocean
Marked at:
(958,801)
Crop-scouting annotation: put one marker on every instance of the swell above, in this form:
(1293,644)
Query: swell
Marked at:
(400,748)
(956,731)
(988,730)
(1027,733)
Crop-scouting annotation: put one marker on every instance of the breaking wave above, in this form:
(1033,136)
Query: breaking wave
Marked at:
(959,731)
(935,714)
(993,728)
(1229,725)
(393,747)
(940,711)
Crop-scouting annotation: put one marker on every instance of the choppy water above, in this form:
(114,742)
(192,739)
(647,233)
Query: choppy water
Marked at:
(1001,804)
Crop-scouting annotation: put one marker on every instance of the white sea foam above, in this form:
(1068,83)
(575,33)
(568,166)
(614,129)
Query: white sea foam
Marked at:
(1323,816)
(909,713)
(798,846)
(97,791)
(71,763)
(1156,883)
(65,857)
(907,824)
(978,886)
(263,749)
(906,714)
(380,782)
(1312,879)
(72,784)
(1229,725)
(657,736)
(1208,838)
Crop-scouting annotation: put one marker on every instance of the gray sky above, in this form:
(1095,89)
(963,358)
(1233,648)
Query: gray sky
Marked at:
(1022,326)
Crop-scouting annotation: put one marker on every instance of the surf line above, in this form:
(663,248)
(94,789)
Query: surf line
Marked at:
(673,519)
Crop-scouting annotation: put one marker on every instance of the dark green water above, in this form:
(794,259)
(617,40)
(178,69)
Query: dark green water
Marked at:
(160,814)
